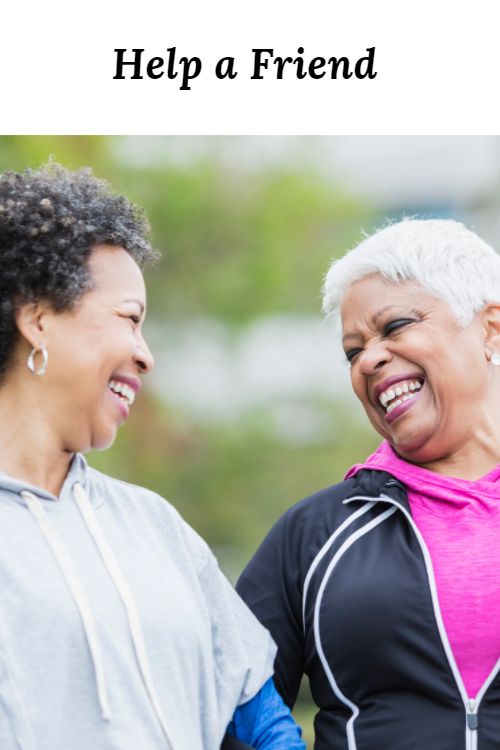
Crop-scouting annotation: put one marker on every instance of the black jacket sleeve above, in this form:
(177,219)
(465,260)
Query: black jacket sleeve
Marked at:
(231,743)
(271,586)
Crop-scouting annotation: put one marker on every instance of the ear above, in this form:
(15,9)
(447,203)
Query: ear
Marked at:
(32,323)
(490,318)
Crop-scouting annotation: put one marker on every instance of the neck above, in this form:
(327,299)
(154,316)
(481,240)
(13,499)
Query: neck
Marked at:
(29,449)
(471,461)
(459,468)
(472,443)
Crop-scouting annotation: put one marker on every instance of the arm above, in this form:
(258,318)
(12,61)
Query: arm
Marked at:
(271,585)
(265,722)
(244,654)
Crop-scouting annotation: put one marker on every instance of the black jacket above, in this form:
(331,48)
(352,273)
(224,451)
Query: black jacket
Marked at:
(344,583)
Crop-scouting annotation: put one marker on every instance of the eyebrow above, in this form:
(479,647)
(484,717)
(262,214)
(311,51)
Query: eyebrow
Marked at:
(347,336)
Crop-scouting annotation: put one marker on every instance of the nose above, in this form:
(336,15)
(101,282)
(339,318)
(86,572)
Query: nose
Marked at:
(143,357)
(374,356)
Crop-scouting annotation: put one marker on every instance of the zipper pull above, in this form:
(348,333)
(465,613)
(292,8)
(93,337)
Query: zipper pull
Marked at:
(472,718)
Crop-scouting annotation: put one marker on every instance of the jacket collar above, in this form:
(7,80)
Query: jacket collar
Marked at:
(374,484)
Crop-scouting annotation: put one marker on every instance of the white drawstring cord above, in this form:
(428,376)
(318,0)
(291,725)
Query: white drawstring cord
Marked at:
(75,586)
(127,598)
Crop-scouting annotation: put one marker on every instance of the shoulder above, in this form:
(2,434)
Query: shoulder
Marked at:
(141,506)
(112,490)
(293,542)
(314,516)
(327,502)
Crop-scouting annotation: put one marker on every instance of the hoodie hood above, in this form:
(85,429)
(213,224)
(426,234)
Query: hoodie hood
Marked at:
(436,492)
(78,473)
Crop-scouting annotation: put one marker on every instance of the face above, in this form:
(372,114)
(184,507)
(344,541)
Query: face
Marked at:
(97,354)
(423,380)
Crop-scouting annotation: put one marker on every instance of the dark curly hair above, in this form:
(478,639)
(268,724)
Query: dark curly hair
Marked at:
(50,219)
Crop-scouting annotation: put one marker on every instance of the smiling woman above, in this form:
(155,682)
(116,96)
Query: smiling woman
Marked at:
(385,589)
(95,379)
(404,356)
(117,629)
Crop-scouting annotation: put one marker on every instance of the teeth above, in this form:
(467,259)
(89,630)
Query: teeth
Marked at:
(402,391)
(400,401)
(393,405)
(123,390)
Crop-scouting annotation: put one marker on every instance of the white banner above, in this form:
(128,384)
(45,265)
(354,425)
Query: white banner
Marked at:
(265,66)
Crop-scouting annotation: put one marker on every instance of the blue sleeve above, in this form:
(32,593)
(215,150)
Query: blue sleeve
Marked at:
(265,722)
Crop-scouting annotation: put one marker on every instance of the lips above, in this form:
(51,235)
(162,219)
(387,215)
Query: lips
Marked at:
(123,389)
(399,392)
(396,393)
(120,402)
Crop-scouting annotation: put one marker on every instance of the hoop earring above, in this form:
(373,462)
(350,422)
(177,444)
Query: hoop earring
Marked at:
(495,359)
(31,361)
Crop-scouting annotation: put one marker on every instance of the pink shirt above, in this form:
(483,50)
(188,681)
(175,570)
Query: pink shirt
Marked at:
(460,523)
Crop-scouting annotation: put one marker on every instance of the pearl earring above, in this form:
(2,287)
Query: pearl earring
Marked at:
(495,359)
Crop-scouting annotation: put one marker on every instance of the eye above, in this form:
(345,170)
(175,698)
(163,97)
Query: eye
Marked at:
(394,325)
(135,318)
(351,355)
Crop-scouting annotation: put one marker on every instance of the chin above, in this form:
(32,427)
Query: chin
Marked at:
(103,445)
(103,440)
(415,438)
(417,450)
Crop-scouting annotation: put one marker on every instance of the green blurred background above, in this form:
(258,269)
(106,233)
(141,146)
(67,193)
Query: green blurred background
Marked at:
(249,408)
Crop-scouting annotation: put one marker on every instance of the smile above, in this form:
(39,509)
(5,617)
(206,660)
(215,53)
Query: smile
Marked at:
(398,393)
(123,390)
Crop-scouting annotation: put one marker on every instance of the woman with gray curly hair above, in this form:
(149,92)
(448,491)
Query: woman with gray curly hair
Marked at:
(384,589)
(117,629)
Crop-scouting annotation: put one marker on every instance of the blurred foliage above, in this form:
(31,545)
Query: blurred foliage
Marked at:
(230,483)
(235,245)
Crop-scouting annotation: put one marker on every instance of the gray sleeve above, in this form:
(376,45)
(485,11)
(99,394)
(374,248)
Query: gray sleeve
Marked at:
(243,649)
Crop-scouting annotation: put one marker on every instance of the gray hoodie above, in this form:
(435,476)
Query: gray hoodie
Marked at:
(117,629)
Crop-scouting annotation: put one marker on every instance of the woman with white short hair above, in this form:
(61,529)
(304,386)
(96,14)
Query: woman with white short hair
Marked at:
(385,589)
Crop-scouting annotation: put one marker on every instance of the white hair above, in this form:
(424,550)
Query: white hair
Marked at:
(445,258)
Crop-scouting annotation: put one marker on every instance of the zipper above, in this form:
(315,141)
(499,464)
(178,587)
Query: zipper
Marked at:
(471,705)
(473,708)
(472,724)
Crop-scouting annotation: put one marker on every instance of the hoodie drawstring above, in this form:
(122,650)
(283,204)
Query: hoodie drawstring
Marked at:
(76,588)
(128,601)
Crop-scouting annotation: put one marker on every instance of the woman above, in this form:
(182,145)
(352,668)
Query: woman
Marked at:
(384,589)
(117,629)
